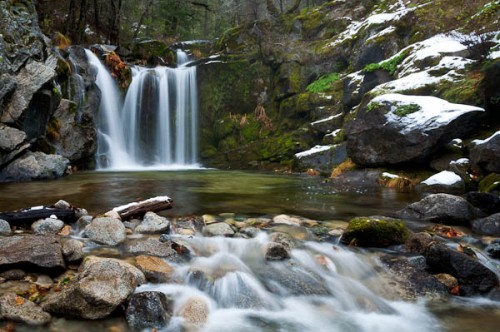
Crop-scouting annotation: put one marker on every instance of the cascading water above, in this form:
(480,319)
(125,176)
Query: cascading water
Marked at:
(156,125)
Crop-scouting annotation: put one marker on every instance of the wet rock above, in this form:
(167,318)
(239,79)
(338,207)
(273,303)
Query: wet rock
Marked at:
(493,250)
(35,166)
(47,226)
(443,182)
(153,223)
(486,202)
(84,221)
(490,184)
(447,280)
(72,250)
(101,286)
(251,232)
(284,239)
(155,269)
(108,231)
(287,220)
(276,252)
(487,226)
(65,231)
(322,158)
(375,232)
(195,311)
(32,252)
(209,219)
(5,228)
(218,229)
(419,242)
(151,247)
(18,309)
(484,154)
(61,204)
(441,208)
(149,310)
(295,232)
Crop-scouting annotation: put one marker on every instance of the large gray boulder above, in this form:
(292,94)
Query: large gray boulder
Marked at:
(441,208)
(322,158)
(12,142)
(102,285)
(106,230)
(485,154)
(47,226)
(153,223)
(35,166)
(487,226)
(394,129)
(149,310)
(33,252)
(15,308)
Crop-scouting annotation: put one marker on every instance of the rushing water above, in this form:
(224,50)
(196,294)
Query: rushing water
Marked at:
(323,287)
(155,126)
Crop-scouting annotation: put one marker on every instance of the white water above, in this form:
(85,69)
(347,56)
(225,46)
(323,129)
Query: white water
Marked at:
(155,125)
(321,288)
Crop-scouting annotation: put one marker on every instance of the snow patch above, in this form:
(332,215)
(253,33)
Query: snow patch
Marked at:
(386,31)
(326,119)
(479,141)
(445,178)
(433,113)
(334,133)
(150,200)
(461,161)
(314,150)
(389,175)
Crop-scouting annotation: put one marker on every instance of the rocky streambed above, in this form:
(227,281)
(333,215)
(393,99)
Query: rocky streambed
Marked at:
(238,272)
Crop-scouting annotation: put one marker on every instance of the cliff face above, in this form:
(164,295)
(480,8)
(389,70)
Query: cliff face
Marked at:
(36,84)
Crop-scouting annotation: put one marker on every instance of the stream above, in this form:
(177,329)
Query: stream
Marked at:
(322,287)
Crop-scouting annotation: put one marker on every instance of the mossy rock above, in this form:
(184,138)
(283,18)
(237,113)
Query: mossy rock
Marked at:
(377,232)
(149,49)
(490,183)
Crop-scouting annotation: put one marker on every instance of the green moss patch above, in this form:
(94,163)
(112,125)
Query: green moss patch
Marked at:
(404,110)
(490,183)
(388,65)
(323,83)
(375,232)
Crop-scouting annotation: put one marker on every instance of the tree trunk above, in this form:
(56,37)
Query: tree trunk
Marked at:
(82,21)
(96,15)
(29,216)
(71,21)
(114,31)
(141,20)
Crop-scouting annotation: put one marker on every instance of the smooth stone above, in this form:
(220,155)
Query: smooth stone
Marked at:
(18,309)
(287,220)
(153,223)
(218,229)
(155,269)
(44,281)
(47,226)
(487,226)
(5,228)
(72,250)
(61,204)
(108,231)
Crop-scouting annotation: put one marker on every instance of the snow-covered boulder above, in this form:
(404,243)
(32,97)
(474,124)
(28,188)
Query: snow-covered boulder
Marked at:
(321,157)
(485,154)
(394,128)
(443,182)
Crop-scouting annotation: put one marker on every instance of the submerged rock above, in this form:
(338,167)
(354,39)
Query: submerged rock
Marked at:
(108,231)
(149,310)
(276,251)
(441,208)
(18,309)
(153,223)
(375,232)
(101,286)
(195,312)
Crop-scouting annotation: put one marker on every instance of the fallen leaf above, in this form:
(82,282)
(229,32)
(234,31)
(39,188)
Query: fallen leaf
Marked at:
(19,300)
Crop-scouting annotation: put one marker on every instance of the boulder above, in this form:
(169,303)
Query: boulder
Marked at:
(375,232)
(441,208)
(151,247)
(322,158)
(47,226)
(493,250)
(443,182)
(18,309)
(284,239)
(35,166)
(148,310)
(487,226)
(395,129)
(12,143)
(484,154)
(287,220)
(32,252)
(276,252)
(5,228)
(72,250)
(108,231)
(153,223)
(100,287)
(195,311)
(486,202)
(218,229)
(155,269)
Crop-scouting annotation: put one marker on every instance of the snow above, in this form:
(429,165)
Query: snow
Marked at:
(39,207)
(386,31)
(334,133)
(326,119)
(434,112)
(389,175)
(479,141)
(461,161)
(316,149)
(445,178)
(150,200)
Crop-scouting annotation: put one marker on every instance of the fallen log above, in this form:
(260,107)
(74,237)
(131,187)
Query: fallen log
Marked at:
(139,209)
(30,215)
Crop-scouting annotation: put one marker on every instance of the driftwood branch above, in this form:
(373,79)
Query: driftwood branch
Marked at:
(139,209)
(29,216)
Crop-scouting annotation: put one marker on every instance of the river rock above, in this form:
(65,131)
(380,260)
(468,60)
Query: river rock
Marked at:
(149,310)
(5,228)
(276,252)
(486,202)
(443,182)
(72,250)
(383,135)
(287,220)
(487,226)
(484,154)
(155,269)
(32,252)
(35,166)
(18,309)
(195,312)
(284,239)
(12,143)
(47,226)
(83,222)
(493,250)
(375,232)
(151,247)
(14,274)
(218,229)
(100,287)
(153,223)
(108,231)
(62,204)
(441,208)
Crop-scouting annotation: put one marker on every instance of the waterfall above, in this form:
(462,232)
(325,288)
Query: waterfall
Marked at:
(155,126)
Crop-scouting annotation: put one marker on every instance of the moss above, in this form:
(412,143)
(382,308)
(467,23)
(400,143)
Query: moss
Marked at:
(375,232)
(490,183)
(373,106)
(388,65)
(323,83)
(53,129)
(404,110)
(465,91)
